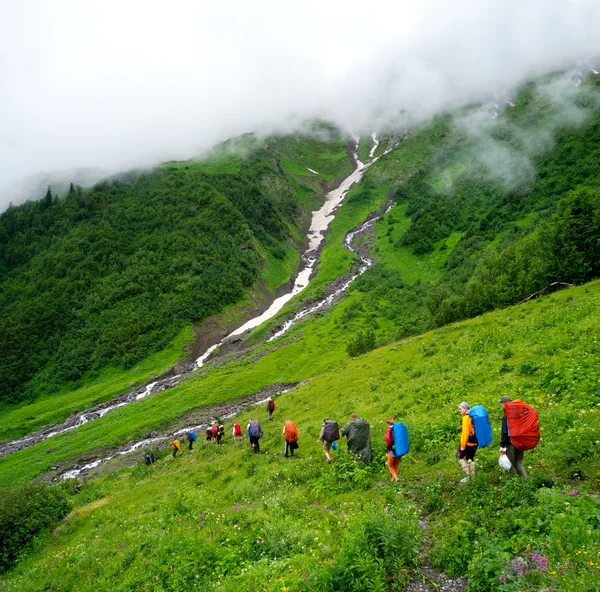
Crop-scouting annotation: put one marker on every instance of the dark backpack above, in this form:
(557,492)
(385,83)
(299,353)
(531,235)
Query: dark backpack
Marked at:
(221,430)
(331,432)
(255,429)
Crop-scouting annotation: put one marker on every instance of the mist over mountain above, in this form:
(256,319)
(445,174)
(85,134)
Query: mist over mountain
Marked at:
(109,85)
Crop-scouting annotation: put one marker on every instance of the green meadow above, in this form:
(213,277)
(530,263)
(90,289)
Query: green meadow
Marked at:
(224,517)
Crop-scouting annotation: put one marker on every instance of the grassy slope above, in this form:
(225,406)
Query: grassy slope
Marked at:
(17,421)
(225,515)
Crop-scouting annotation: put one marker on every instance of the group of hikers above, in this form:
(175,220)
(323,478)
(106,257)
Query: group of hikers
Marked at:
(520,432)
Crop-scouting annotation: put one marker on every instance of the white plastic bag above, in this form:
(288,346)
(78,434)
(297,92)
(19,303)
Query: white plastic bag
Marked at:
(504,462)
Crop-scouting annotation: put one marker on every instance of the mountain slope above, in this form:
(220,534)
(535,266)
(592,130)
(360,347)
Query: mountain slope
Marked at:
(107,276)
(224,517)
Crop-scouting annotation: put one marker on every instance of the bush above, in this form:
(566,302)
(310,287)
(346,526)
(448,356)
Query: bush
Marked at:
(380,548)
(25,514)
(362,343)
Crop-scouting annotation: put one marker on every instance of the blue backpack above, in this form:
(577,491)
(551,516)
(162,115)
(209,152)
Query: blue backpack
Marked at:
(481,424)
(193,436)
(401,443)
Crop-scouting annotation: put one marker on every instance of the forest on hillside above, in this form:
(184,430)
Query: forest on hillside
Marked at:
(517,236)
(106,276)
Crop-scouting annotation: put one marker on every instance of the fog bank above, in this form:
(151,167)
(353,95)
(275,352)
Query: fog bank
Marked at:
(121,84)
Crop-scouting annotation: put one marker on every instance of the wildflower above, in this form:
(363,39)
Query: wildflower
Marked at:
(554,478)
(474,516)
(573,492)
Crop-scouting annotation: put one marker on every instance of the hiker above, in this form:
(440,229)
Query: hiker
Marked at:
(191,438)
(237,431)
(209,433)
(175,446)
(507,447)
(329,434)
(270,407)
(255,432)
(149,458)
(214,429)
(468,443)
(220,433)
(358,435)
(77,487)
(392,460)
(290,433)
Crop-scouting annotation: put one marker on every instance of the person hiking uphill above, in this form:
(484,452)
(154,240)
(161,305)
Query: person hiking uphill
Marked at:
(191,438)
(270,408)
(468,443)
(237,431)
(290,433)
(358,435)
(175,446)
(506,446)
(329,434)
(392,461)
(255,432)
(220,433)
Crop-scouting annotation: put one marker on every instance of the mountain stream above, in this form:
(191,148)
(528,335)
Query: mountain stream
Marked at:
(320,221)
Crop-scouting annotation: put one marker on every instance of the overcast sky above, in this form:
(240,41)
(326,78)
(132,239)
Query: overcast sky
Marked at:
(124,83)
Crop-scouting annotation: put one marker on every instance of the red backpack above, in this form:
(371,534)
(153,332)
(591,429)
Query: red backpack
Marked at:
(523,424)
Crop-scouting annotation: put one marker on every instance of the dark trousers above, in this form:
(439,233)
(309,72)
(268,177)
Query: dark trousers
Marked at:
(255,443)
(191,444)
(516,458)
(289,447)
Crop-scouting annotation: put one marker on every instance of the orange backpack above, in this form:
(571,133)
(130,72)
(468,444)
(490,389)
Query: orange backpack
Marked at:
(523,424)
(291,431)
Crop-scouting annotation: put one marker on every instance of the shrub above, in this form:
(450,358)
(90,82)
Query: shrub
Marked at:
(362,343)
(380,548)
(26,513)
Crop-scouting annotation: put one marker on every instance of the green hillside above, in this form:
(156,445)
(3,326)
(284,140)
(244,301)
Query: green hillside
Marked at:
(484,223)
(224,517)
(105,277)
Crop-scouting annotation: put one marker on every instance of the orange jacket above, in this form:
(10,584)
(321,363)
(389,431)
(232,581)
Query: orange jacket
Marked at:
(467,430)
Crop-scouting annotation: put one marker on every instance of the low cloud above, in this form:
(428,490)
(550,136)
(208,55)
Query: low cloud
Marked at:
(121,84)
(506,149)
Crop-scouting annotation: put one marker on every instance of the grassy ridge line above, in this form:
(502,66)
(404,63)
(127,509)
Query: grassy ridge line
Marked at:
(225,517)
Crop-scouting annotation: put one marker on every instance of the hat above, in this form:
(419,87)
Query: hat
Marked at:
(505,399)
(465,405)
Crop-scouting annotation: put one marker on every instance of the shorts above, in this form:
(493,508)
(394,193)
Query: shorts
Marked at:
(467,454)
(326,445)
